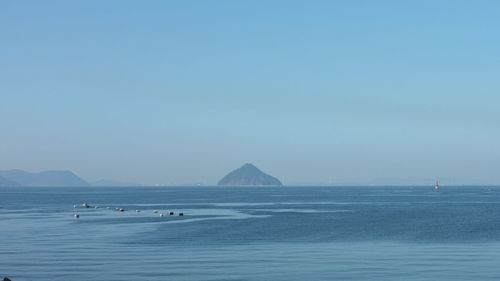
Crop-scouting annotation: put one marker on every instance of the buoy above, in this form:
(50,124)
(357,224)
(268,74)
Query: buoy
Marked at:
(181,214)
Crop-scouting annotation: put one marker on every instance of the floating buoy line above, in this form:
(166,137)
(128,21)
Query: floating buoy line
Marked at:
(120,210)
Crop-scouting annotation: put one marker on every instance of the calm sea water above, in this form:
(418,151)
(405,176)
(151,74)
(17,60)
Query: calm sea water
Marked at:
(289,233)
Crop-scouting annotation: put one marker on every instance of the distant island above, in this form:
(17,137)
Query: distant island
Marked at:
(249,175)
(6,182)
(45,178)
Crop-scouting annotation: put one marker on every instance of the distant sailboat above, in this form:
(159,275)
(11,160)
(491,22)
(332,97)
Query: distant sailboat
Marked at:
(436,186)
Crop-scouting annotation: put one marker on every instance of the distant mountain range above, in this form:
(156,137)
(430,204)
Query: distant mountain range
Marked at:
(45,178)
(248,175)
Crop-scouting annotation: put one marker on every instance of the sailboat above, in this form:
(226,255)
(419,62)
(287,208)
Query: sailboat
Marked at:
(436,186)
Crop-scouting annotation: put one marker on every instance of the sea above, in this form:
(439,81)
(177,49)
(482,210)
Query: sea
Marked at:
(250,233)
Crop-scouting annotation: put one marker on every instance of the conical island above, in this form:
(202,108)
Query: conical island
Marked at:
(248,175)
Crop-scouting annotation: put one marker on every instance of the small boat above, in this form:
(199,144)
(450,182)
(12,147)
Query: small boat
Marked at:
(181,214)
(77,216)
(171,213)
(436,186)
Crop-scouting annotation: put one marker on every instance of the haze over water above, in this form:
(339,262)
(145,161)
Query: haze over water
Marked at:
(287,233)
(322,92)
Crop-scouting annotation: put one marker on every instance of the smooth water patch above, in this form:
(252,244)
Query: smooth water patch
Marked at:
(266,261)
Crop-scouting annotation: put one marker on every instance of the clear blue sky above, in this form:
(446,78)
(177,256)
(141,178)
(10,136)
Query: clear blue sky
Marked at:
(312,91)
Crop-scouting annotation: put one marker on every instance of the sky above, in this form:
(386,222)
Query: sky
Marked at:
(312,92)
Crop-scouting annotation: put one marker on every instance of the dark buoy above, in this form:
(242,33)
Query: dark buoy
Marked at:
(181,214)
(171,213)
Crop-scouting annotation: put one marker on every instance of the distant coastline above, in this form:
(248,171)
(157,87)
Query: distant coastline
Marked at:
(44,178)
(247,175)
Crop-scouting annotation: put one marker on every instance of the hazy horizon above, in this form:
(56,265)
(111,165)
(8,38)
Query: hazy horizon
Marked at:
(331,182)
(330,92)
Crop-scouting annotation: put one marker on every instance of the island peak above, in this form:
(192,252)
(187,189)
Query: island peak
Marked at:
(249,175)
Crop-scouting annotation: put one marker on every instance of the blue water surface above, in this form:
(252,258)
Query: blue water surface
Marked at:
(271,233)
